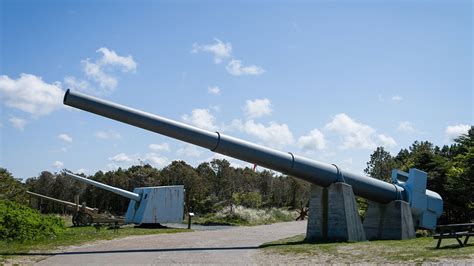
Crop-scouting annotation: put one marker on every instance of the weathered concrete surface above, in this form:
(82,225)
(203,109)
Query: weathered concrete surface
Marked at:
(230,246)
(317,216)
(389,221)
(334,214)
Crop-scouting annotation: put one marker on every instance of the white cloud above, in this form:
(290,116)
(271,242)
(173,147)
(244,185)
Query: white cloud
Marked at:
(357,135)
(233,162)
(121,158)
(159,147)
(222,51)
(406,127)
(18,123)
(236,68)
(219,49)
(107,135)
(455,131)
(397,98)
(349,161)
(258,108)
(313,141)
(65,137)
(386,141)
(81,171)
(109,57)
(214,90)
(156,160)
(94,71)
(201,118)
(79,85)
(275,135)
(354,134)
(125,160)
(189,150)
(97,70)
(112,166)
(31,94)
(58,164)
(215,108)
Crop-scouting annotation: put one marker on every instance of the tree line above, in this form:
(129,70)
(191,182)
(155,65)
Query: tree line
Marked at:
(210,187)
(450,172)
(214,185)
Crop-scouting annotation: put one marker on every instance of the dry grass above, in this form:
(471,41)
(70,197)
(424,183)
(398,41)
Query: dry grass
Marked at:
(414,251)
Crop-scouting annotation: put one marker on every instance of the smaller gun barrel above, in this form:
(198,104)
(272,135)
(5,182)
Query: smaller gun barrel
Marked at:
(56,200)
(119,191)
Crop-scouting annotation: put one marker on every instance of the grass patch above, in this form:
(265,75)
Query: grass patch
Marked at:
(75,236)
(241,216)
(417,250)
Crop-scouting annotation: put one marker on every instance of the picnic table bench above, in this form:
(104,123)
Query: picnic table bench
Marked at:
(457,231)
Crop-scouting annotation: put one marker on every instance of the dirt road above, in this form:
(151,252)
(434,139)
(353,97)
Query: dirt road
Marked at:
(229,246)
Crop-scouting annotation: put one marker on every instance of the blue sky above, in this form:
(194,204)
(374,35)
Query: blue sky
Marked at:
(330,80)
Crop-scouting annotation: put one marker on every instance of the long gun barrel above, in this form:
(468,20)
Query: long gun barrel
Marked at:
(318,173)
(56,200)
(119,191)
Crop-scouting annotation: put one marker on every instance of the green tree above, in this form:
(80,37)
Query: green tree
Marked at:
(461,179)
(421,154)
(11,188)
(181,173)
(264,184)
(247,199)
(43,184)
(450,172)
(222,182)
(380,165)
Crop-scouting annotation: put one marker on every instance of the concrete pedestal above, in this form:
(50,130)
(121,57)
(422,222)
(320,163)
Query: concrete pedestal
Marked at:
(389,221)
(333,214)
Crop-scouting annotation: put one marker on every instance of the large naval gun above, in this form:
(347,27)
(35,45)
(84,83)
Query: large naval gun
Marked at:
(395,208)
(148,205)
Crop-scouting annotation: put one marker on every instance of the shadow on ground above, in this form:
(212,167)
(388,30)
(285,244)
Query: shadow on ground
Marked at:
(451,246)
(302,242)
(129,251)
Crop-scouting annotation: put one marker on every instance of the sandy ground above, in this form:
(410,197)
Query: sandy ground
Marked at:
(322,258)
(225,246)
(229,246)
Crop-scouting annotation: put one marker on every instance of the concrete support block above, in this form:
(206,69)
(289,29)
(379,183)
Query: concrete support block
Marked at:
(389,221)
(317,217)
(333,214)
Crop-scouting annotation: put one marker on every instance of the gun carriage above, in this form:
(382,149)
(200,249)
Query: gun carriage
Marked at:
(83,215)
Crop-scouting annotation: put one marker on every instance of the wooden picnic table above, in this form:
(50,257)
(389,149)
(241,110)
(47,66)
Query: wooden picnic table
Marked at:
(457,231)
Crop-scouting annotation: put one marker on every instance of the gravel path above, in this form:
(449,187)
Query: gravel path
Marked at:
(229,246)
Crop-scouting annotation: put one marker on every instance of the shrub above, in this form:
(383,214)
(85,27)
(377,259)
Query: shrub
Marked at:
(247,216)
(248,199)
(21,223)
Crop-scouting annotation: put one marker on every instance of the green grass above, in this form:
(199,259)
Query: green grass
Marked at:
(416,251)
(76,236)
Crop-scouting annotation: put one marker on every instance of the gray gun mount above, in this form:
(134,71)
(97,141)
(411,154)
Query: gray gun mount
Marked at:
(148,205)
